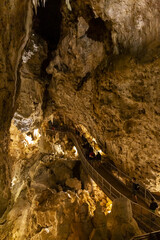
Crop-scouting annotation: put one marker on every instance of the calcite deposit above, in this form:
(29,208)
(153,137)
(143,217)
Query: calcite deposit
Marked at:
(92,66)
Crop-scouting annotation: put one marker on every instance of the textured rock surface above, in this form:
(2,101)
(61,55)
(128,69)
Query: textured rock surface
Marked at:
(44,205)
(14,36)
(135,25)
(113,90)
(100,230)
(105,81)
(120,222)
(15,22)
(29,113)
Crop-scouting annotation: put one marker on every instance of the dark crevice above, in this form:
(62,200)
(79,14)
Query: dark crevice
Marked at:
(46,98)
(97,29)
(76,170)
(82,81)
(47,24)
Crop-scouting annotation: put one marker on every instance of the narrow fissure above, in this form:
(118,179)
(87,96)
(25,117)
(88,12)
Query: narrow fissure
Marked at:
(47,24)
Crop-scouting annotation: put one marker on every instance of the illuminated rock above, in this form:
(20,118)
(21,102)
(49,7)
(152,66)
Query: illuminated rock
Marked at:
(120,222)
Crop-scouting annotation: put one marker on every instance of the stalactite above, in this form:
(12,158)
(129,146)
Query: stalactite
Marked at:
(68,5)
(36,3)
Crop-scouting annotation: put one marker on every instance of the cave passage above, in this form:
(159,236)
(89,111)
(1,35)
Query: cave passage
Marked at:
(47,22)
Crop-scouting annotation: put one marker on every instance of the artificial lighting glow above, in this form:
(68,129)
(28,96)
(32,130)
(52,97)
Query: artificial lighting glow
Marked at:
(68,5)
(29,139)
(94,140)
(25,143)
(36,133)
(13,182)
(36,3)
(58,148)
(90,139)
(47,230)
(110,207)
(75,151)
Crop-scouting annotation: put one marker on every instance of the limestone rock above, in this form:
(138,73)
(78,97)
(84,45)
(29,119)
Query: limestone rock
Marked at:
(120,222)
(100,231)
(82,227)
(82,27)
(110,86)
(45,146)
(62,172)
(29,113)
(105,79)
(73,183)
(128,29)
(15,24)
(14,36)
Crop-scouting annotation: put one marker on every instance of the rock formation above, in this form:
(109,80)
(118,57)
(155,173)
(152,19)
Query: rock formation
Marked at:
(107,64)
(16,18)
(120,223)
(90,65)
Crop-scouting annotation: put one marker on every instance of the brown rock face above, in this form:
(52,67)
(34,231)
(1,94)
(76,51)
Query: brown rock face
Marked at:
(15,22)
(103,58)
(29,113)
(135,25)
(109,84)
(15,25)
(120,222)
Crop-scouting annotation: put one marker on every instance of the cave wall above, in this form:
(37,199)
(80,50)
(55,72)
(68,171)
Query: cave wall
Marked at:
(15,25)
(105,77)
(48,200)
(135,25)
(15,22)
(110,84)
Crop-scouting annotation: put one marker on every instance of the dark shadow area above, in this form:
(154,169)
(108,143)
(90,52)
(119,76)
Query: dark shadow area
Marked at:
(76,170)
(46,98)
(47,22)
(97,29)
(82,81)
